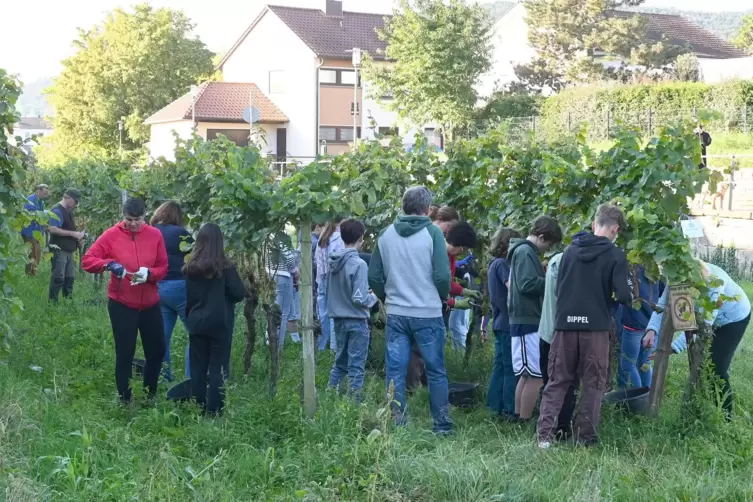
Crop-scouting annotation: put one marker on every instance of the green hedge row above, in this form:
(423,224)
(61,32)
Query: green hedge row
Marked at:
(644,106)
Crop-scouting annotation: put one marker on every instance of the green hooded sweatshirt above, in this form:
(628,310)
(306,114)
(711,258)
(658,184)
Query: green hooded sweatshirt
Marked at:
(527,282)
(409,268)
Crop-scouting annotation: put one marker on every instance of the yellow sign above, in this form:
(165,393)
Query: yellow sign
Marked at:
(682,306)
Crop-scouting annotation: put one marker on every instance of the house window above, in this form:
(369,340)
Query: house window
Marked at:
(237,136)
(328,134)
(276,82)
(328,76)
(434,136)
(346,78)
(337,134)
(389,131)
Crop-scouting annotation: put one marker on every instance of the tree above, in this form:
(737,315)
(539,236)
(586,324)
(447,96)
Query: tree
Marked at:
(569,36)
(744,38)
(687,69)
(129,67)
(437,51)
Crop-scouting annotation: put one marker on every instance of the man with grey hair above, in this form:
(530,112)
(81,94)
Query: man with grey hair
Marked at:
(410,272)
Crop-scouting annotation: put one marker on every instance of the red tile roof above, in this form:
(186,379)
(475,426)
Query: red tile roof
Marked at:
(333,37)
(220,102)
(327,36)
(681,31)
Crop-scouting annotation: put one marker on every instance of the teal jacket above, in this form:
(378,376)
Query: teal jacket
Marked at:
(410,269)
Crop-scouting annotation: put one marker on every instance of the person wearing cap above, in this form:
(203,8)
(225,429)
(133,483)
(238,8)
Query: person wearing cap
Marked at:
(64,241)
(35,203)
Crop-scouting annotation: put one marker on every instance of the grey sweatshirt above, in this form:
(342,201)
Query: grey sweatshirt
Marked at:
(410,269)
(348,294)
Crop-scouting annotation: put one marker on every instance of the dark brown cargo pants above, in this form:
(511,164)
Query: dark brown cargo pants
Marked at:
(573,353)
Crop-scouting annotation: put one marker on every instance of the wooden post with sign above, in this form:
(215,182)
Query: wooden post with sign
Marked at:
(679,315)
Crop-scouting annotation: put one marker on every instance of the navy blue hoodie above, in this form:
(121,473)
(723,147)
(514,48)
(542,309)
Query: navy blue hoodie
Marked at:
(638,319)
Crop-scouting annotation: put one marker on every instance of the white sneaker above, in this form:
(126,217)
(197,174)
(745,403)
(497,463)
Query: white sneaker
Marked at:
(545,445)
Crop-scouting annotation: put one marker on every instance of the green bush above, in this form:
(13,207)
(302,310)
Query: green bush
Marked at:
(645,106)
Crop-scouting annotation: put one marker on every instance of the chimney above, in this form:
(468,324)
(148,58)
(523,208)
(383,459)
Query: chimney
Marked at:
(332,8)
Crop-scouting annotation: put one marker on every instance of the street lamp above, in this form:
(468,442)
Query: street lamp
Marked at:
(193,107)
(120,136)
(356,53)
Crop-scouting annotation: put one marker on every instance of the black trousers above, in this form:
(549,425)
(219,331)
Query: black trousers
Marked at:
(126,324)
(726,340)
(209,355)
(565,418)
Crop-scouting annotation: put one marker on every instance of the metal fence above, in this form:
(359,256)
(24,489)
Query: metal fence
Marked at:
(601,124)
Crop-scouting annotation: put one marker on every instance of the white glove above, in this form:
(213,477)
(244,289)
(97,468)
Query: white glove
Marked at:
(140,277)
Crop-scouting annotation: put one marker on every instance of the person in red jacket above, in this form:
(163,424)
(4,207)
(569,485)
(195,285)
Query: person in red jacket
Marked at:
(135,254)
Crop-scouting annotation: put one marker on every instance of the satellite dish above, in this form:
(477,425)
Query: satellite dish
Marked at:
(251,115)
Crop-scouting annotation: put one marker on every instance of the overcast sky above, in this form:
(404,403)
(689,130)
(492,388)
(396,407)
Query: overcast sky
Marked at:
(34,45)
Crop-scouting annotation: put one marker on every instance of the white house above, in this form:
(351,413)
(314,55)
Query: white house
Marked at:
(32,126)
(511,46)
(299,60)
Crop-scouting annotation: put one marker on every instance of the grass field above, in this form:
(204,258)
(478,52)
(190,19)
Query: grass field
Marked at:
(63,436)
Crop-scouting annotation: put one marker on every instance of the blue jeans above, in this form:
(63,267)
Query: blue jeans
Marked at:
(634,369)
(172,303)
(296,315)
(501,394)
(429,335)
(328,328)
(460,322)
(352,349)
(286,300)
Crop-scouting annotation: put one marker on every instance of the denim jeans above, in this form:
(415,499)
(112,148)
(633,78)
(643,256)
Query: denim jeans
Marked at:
(286,300)
(501,394)
(296,315)
(172,302)
(352,349)
(430,336)
(460,322)
(328,328)
(634,369)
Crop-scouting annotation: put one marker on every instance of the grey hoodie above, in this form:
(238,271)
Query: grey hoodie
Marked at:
(348,294)
(410,269)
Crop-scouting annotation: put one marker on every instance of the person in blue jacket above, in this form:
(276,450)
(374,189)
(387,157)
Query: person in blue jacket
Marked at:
(634,369)
(729,322)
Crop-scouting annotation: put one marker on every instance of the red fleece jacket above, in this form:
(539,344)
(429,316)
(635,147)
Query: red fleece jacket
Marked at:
(142,248)
(455,288)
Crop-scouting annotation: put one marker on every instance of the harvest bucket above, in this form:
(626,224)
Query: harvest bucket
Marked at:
(463,394)
(634,400)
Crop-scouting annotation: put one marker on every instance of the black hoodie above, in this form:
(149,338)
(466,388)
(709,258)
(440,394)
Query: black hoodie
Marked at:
(591,270)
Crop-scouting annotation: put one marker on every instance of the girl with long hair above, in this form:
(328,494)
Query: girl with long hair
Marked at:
(329,242)
(213,287)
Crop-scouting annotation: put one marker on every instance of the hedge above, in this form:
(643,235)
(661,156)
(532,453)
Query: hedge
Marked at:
(646,105)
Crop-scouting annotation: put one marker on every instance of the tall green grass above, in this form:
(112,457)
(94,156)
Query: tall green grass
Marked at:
(64,437)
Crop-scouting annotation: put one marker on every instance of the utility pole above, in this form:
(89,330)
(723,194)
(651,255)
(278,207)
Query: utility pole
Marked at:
(194,90)
(357,66)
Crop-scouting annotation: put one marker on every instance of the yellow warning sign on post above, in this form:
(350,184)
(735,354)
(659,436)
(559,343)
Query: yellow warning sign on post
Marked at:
(682,307)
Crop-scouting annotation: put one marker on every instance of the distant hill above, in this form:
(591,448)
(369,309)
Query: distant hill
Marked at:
(723,24)
(33,103)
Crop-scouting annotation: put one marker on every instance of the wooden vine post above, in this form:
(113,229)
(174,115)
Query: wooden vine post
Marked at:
(661,362)
(307,320)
